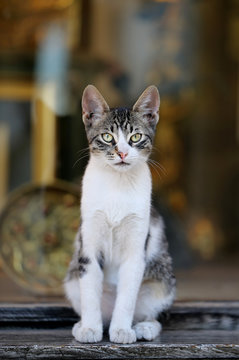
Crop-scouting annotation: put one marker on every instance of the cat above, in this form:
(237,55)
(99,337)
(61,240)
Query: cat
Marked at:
(121,272)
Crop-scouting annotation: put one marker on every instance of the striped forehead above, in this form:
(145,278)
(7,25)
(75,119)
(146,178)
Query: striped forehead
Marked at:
(121,119)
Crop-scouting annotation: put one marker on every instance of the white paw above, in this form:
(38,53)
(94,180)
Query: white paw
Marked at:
(147,330)
(122,336)
(86,335)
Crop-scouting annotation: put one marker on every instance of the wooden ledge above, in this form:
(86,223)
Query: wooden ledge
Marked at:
(194,330)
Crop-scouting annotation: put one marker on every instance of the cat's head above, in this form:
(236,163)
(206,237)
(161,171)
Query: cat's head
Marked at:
(120,137)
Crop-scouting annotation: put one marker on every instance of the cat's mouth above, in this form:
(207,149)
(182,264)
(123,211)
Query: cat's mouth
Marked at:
(122,163)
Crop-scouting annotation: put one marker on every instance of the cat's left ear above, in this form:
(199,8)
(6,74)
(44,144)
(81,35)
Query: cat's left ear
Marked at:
(148,105)
(93,105)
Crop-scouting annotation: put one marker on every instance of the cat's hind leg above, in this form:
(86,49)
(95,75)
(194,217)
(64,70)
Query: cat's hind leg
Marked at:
(72,291)
(153,298)
(147,330)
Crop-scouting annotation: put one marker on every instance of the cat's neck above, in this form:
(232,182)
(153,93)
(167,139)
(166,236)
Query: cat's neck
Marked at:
(118,194)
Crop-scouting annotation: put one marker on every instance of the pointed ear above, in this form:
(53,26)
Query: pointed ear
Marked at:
(93,105)
(148,105)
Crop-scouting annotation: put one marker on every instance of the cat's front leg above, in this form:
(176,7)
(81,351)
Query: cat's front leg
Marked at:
(90,328)
(130,277)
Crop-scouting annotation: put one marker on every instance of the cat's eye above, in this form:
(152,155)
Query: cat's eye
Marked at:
(136,137)
(107,137)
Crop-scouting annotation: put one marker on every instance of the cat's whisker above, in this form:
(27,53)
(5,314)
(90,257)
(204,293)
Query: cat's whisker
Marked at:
(155,149)
(83,150)
(155,167)
(163,170)
(156,170)
(78,160)
(159,166)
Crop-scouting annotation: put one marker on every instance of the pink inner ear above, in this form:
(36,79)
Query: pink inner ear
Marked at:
(149,101)
(93,102)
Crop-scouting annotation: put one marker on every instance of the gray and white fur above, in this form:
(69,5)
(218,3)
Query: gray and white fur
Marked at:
(121,273)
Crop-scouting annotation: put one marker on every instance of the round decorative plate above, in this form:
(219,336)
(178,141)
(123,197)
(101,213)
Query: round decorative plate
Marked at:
(37,230)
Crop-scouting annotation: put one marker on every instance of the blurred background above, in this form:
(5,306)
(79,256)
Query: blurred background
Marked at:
(49,51)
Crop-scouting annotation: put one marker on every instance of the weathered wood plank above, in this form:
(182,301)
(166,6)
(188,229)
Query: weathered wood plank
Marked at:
(120,352)
(194,331)
(186,315)
(46,344)
(59,337)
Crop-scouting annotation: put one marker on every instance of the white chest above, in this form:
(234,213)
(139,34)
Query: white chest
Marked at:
(115,210)
(117,195)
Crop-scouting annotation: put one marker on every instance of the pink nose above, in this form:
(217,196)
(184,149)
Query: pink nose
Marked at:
(122,155)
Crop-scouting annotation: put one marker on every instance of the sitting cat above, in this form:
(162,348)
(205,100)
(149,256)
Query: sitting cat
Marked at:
(121,272)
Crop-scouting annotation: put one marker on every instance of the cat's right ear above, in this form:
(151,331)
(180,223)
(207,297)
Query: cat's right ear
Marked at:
(93,105)
(148,105)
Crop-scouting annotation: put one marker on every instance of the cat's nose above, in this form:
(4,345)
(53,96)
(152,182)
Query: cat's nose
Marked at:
(122,155)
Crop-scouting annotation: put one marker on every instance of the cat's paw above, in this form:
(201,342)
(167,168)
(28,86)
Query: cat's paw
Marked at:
(122,336)
(147,330)
(86,335)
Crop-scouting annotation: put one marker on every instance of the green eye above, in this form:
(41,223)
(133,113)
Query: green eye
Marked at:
(136,137)
(107,137)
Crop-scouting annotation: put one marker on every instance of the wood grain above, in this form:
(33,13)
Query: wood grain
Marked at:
(59,344)
(194,330)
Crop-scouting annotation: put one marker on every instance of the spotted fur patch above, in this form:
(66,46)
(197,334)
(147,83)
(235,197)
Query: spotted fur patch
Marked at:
(101,260)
